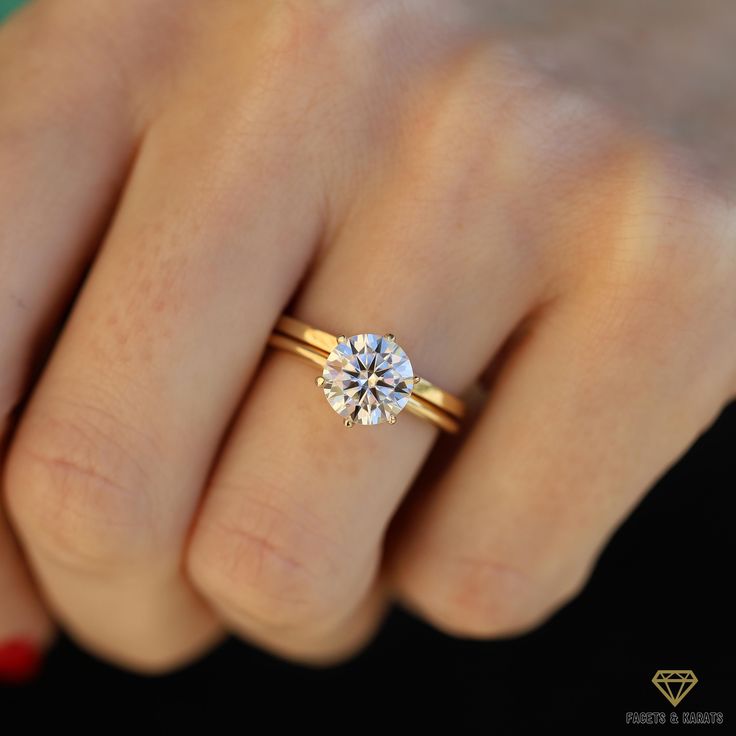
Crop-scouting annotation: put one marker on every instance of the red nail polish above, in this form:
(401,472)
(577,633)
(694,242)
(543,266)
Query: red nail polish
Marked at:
(20,660)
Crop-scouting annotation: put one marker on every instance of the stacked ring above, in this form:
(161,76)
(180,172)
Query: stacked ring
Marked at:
(367,378)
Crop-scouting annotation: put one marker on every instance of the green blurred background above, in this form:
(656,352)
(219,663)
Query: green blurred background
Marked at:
(8,6)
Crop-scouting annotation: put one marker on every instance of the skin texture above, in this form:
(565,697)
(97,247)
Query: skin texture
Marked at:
(666,64)
(378,167)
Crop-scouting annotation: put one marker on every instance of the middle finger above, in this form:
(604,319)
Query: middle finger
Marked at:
(111,454)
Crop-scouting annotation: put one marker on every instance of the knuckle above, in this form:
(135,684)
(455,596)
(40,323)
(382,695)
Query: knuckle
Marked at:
(264,565)
(46,42)
(659,246)
(287,41)
(480,597)
(66,46)
(670,251)
(492,599)
(76,492)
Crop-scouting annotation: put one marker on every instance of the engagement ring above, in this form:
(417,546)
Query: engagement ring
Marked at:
(367,378)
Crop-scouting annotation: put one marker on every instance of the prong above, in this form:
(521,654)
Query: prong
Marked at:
(342,338)
(392,418)
(390,336)
(319,381)
(348,422)
(417,379)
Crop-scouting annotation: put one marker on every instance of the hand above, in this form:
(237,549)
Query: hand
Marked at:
(371,167)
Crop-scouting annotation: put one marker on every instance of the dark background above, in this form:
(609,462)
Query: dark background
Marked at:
(661,597)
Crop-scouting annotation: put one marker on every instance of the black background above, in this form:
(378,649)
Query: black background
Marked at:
(660,597)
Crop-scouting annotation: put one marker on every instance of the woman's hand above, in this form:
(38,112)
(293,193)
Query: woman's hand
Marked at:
(373,166)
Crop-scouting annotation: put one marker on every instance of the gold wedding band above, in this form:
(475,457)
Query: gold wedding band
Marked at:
(367,378)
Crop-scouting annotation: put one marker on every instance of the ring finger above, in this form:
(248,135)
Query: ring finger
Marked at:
(288,540)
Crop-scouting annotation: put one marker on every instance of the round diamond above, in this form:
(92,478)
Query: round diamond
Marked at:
(368,378)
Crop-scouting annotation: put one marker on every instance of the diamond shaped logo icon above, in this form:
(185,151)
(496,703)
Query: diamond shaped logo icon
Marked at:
(674,684)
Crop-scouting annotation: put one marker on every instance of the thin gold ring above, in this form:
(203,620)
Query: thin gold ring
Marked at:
(367,378)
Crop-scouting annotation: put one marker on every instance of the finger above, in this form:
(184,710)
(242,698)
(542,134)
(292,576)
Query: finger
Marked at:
(114,448)
(611,385)
(288,541)
(65,141)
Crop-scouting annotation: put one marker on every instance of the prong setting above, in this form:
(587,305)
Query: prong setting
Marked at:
(319,381)
(348,422)
(368,378)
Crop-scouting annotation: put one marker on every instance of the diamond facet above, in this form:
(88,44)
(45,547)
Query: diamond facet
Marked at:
(368,378)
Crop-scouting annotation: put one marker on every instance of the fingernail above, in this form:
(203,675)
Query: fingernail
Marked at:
(20,660)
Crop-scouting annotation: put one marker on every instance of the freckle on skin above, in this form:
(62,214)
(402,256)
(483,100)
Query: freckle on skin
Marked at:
(18,301)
